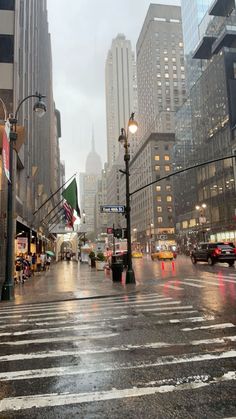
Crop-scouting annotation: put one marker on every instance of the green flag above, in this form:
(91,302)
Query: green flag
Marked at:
(70,195)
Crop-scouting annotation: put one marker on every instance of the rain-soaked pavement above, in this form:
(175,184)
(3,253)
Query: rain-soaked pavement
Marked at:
(76,345)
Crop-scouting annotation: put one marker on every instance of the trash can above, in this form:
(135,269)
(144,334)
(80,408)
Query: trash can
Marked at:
(117,269)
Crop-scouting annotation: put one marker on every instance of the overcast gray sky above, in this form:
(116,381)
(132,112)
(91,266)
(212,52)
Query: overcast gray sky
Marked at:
(81,34)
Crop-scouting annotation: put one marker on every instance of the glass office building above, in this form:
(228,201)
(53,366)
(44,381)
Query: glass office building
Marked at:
(193,12)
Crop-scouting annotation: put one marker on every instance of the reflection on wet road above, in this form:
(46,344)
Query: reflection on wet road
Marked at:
(168,351)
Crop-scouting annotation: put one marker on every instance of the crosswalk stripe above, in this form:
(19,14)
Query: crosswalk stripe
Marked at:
(104,320)
(59,339)
(74,370)
(223,279)
(91,310)
(191,284)
(122,348)
(63,399)
(174,287)
(84,301)
(103,303)
(202,281)
(214,326)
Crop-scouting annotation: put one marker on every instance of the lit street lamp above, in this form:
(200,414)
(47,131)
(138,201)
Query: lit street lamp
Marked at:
(202,217)
(40,109)
(123,139)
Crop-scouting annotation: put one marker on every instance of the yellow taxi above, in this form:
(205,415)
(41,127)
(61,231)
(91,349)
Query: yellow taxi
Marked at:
(162,255)
(137,254)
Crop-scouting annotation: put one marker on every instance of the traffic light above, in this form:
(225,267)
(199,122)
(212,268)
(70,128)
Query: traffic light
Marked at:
(118,233)
(124,233)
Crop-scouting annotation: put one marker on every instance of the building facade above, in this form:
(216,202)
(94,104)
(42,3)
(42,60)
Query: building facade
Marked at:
(153,217)
(193,12)
(121,92)
(213,120)
(26,68)
(160,70)
(88,182)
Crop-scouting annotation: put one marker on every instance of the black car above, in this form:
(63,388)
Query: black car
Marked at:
(214,252)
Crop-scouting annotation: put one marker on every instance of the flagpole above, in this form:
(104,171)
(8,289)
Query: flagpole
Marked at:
(35,212)
(52,210)
(55,215)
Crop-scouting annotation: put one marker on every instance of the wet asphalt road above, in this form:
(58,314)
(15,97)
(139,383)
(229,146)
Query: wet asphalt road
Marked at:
(167,351)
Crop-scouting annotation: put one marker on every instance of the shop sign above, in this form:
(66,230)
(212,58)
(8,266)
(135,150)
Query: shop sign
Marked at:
(22,244)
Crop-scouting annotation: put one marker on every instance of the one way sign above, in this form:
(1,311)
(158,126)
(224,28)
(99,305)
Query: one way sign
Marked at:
(112,209)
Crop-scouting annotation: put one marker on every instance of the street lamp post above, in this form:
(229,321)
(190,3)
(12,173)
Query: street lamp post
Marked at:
(123,139)
(202,217)
(84,223)
(8,285)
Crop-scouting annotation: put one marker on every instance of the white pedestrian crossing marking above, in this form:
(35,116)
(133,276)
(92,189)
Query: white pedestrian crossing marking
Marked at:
(63,399)
(86,333)
(74,370)
(214,326)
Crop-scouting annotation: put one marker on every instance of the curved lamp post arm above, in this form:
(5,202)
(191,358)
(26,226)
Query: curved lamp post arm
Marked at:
(38,95)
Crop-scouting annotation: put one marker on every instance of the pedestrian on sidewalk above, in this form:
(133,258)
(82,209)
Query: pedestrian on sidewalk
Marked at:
(19,269)
(33,265)
(43,261)
(48,262)
(38,263)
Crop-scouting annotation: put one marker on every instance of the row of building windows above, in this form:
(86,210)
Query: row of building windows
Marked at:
(160,220)
(168,188)
(168,198)
(169,209)
(166,157)
(166,168)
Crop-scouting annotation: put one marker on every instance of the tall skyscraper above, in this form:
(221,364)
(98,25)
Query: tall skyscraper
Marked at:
(121,92)
(160,69)
(88,187)
(193,12)
(26,67)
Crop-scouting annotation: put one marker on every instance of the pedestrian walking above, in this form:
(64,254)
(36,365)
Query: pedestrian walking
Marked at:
(19,269)
(43,261)
(33,266)
(38,263)
(48,262)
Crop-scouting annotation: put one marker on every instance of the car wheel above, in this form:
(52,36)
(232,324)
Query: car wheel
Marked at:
(210,261)
(193,259)
(231,263)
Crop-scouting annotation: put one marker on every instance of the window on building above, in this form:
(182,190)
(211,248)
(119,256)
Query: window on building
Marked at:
(6,48)
(159,83)
(234,70)
(167,168)
(7,4)
(159,209)
(157,168)
(159,198)
(167,147)
(174,60)
(166,156)
(168,188)
(181,44)
(158,188)
(166,67)
(166,59)
(159,220)
(167,75)
(169,198)
(169,209)
(157,157)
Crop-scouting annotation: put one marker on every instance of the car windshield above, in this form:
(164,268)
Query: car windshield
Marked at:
(225,246)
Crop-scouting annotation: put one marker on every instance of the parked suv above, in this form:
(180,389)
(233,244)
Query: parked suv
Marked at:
(214,252)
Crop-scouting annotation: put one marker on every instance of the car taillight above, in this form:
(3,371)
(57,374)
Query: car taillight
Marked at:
(217,252)
(234,249)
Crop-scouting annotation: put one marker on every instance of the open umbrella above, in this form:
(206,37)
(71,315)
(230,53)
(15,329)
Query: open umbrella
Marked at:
(50,253)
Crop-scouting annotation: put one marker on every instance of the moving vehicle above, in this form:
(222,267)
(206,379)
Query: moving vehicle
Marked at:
(137,254)
(214,252)
(162,255)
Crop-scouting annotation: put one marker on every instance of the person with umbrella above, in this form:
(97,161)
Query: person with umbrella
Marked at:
(49,253)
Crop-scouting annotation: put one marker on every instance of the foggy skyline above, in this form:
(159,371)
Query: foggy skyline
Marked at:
(81,37)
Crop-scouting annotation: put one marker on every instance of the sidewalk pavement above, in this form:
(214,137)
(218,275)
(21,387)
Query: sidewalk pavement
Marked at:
(69,281)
